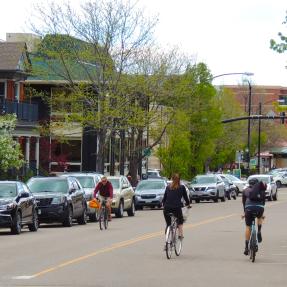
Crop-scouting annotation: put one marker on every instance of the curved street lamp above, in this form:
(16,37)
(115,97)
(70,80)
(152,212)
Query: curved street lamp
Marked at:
(249,109)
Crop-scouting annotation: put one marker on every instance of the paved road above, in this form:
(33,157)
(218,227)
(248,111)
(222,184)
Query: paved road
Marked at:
(131,253)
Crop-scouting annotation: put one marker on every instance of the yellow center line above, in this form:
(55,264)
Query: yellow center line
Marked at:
(136,240)
(127,243)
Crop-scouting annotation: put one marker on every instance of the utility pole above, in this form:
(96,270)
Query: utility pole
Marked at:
(259,138)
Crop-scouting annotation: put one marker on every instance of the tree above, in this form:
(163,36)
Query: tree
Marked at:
(233,134)
(10,152)
(281,46)
(97,45)
(197,122)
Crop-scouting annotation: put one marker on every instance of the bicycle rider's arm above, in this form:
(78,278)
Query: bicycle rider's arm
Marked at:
(243,199)
(186,199)
(164,196)
(111,190)
(97,188)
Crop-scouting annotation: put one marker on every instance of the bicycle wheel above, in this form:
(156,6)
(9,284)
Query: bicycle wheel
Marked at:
(106,218)
(101,219)
(168,242)
(177,243)
(253,247)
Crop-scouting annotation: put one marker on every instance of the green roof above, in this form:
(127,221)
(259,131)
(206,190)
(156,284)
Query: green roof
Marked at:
(278,150)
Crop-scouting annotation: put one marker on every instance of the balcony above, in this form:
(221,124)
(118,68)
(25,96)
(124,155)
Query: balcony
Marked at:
(26,112)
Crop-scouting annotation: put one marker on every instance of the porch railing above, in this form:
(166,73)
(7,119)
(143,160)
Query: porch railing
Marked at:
(24,111)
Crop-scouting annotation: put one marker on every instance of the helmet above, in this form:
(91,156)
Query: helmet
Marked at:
(253,181)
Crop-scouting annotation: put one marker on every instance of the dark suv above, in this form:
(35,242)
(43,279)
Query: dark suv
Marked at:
(18,207)
(59,199)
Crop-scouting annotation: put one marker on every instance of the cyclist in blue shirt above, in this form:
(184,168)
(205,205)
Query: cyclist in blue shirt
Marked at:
(253,208)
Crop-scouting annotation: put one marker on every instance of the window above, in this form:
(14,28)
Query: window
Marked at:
(2,89)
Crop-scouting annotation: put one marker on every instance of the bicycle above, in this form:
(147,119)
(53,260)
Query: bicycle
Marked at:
(103,217)
(253,243)
(171,238)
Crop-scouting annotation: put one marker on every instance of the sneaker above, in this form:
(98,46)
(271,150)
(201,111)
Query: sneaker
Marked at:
(246,251)
(259,237)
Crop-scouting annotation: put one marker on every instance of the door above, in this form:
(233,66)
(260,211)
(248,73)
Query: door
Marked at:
(23,203)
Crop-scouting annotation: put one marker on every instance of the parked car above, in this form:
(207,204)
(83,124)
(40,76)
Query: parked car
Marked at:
(230,188)
(59,199)
(187,187)
(153,173)
(88,182)
(280,178)
(239,183)
(150,193)
(208,187)
(18,207)
(271,190)
(124,196)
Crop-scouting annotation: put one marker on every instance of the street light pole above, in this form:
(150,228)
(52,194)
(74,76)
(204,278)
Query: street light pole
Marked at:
(249,111)
(248,127)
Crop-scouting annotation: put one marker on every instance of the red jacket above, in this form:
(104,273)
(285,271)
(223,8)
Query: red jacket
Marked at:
(104,190)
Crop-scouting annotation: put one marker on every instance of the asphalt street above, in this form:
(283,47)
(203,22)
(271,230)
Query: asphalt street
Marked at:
(130,252)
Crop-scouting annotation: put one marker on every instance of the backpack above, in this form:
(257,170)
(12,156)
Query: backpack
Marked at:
(257,193)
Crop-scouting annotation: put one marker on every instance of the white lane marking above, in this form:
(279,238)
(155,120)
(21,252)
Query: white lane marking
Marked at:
(23,277)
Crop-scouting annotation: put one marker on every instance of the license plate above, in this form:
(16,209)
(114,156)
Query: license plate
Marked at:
(39,211)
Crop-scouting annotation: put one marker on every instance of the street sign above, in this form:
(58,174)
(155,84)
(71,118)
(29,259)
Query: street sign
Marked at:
(238,156)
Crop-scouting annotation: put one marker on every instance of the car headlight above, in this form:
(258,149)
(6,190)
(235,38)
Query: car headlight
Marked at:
(58,200)
(8,206)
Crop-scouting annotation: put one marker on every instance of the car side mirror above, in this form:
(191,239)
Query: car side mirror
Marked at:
(72,190)
(24,194)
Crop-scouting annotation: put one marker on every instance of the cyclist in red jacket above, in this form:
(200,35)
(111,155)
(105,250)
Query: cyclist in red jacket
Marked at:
(105,190)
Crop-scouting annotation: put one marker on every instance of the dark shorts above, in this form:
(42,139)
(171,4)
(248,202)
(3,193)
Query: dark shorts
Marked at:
(252,212)
(177,212)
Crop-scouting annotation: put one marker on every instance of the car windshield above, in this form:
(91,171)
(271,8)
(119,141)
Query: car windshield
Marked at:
(86,181)
(231,177)
(203,179)
(265,179)
(115,182)
(150,184)
(52,186)
(8,190)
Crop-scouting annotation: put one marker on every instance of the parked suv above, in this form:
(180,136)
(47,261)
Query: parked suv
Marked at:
(124,196)
(208,187)
(18,207)
(88,182)
(150,193)
(59,199)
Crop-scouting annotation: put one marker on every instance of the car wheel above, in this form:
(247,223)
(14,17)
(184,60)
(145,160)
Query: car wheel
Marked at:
(139,207)
(270,197)
(83,218)
(131,210)
(35,222)
(120,211)
(278,184)
(17,223)
(275,196)
(237,191)
(223,198)
(229,196)
(94,217)
(68,221)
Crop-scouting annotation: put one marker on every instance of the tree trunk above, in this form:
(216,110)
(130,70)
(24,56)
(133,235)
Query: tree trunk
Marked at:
(112,159)
(101,151)
(122,152)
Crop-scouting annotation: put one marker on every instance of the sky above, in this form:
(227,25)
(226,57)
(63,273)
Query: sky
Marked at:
(230,36)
